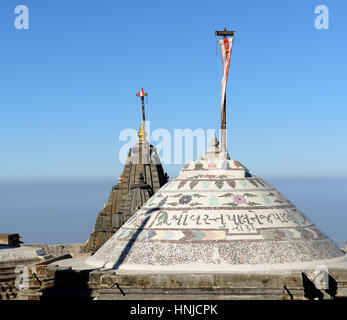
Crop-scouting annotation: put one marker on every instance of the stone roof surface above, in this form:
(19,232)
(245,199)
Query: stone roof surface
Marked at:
(20,254)
(216,213)
(143,175)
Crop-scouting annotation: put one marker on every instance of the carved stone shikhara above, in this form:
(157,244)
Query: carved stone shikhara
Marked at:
(143,175)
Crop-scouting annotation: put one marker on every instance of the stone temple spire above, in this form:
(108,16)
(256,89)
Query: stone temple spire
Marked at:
(142,176)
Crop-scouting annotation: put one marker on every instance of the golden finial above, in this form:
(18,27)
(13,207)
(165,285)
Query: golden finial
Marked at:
(104,205)
(142,133)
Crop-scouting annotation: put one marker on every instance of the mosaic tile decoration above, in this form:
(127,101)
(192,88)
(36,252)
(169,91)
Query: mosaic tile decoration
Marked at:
(216,211)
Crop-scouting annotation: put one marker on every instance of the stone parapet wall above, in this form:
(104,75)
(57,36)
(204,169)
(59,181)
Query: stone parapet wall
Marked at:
(110,286)
(283,286)
(74,249)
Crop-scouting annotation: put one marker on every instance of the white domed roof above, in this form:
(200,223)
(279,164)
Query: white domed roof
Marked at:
(215,212)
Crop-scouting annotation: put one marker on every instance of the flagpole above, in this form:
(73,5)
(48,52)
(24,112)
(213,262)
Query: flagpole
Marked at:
(142,133)
(223,125)
(143,109)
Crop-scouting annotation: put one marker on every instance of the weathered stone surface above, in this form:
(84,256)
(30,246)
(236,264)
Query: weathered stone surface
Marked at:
(74,249)
(280,286)
(142,176)
(20,255)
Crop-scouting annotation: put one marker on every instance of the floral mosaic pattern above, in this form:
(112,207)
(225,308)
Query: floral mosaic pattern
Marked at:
(228,199)
(213,165)
(217,205)
(221,182)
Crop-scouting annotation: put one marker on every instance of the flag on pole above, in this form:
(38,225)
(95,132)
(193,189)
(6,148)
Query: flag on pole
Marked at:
(225,46)
(141,93)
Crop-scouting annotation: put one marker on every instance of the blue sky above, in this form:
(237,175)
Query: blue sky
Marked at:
(68,83)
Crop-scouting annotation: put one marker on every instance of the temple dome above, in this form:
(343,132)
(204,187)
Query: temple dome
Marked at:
(216,213)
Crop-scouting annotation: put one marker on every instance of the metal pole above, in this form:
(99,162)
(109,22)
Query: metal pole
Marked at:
(143,109)
(223,125)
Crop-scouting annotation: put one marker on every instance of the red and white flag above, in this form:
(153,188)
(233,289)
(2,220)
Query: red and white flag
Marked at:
(141,93)
(225,46)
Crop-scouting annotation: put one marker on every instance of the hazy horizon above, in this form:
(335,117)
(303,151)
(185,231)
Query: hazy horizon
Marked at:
(65,211)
